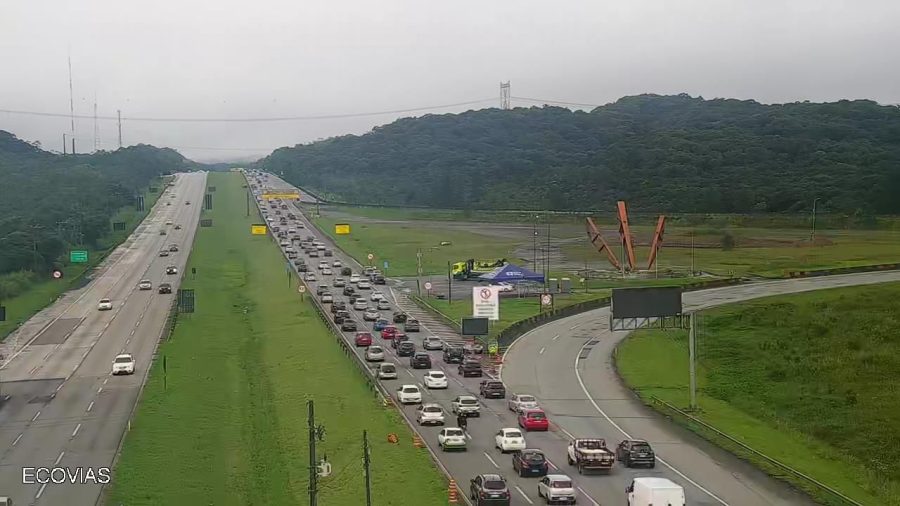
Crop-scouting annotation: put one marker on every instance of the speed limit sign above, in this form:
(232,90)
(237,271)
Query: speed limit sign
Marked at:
(546,299)
(370,256)
(301,289)
(428,285)
(57,274)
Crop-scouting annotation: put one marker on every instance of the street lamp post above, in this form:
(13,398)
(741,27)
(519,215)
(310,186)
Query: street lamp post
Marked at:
(812,236)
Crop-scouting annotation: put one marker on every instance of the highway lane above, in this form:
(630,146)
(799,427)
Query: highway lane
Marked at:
(481,456)
(65,409)
(568,365)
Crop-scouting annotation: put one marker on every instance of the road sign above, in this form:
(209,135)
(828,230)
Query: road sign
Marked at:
(546,299)
(281,196)
(57,274)
(493,348)
(370,256)
(342,228)
(428,285)
(301,289)
(258,229)
(78,256)
(385,264)
(486,302)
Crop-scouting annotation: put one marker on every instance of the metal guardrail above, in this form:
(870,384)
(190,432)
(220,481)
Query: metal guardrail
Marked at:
(842,270)
(804,481)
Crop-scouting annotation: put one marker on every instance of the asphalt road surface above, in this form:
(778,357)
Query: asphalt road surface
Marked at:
(64,409)
(567,364)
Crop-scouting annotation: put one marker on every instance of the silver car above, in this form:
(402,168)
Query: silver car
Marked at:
(371,314)
(384,305)
(432,343)
(519,402)
(374,354)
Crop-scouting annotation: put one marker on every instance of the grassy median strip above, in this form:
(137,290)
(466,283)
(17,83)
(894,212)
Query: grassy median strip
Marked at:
(808,379)
(230,427)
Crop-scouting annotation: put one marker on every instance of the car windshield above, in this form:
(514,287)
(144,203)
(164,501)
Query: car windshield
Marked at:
(410,390)
(526,398)
(437,375)
(454,432)
(537,415)
(388,368)
(561,484)
(433,409)
(123,360)
(494,485)
(375,349)
(468,401)
(513,433)
(534,457)
(642,447)
(589,445)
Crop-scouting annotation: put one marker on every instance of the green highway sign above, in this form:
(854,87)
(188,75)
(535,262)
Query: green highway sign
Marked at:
(78,256)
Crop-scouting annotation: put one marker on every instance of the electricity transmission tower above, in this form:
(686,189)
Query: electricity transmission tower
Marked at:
(504,95)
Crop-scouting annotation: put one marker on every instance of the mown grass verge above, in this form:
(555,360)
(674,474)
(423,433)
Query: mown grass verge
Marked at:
(808,379)
(231,426)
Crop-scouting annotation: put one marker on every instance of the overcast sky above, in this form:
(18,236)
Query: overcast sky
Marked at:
(271,58)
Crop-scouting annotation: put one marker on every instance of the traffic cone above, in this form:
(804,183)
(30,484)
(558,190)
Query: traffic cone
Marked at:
(452,494)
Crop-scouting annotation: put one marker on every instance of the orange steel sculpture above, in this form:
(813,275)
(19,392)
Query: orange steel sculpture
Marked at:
(625,234)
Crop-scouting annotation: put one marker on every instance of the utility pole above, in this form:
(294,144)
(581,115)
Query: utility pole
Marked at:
(812,237)
(534,244)
(692,358)
(64,143)
(119,114)
(313,469)
(692,254)
(366,463)
(247,195)
(449,283)
(419,272)
(504,95)
(96,127)
(547,276)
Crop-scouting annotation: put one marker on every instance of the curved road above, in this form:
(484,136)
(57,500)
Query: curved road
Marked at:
(568,365)
(64,409)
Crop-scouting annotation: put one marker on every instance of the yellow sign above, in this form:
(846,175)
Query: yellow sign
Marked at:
(341,228)
(258,229)
(282,196)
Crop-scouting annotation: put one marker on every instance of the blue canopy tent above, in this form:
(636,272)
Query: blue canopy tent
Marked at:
(510,273)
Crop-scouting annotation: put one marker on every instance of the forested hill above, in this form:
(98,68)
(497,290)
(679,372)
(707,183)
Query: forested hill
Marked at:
(45,196)
(660,153)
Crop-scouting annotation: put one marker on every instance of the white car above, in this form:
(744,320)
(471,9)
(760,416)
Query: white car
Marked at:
(323,265)
(557,488)
(452,438)
(360,305)
(145,284)
(354,278)
(387,370)
(435,379)
(430,413)
(374,354)
(504,287)
(433,343)
(284,243)
(383,305)
(168,222)
(376,296)
(518,402)
(371,314)
(465,405)
(310,276)
(408,394)
(363,284)
(320,247)
(104,305)
(327,272)
(509,440)
(123,364)
(337,263)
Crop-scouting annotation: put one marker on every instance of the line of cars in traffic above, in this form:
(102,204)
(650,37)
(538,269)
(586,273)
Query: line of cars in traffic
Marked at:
(584,454)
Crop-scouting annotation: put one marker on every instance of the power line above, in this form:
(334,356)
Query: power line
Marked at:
(250,120)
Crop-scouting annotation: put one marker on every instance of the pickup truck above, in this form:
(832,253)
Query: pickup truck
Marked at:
(590,454)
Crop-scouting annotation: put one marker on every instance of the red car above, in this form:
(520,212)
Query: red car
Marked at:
(363,339)
(533,419)
(388,332)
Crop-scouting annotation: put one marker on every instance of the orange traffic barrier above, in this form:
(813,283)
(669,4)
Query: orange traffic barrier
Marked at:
(417,442)
(452,492)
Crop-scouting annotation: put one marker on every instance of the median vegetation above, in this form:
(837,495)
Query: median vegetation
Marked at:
(808,379)
(227,422)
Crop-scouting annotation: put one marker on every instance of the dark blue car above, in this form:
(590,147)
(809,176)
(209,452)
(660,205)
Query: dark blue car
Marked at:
(381,323)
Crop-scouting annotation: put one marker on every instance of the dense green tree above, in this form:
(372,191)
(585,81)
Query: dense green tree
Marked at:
(660,153)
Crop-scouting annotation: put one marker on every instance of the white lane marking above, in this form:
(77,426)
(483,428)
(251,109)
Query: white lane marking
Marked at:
(132,332)
(17,439)
(492,460)
(58,387)
(104,381)
(77,428)
(410,373)
(128,340)
(90,406)
(556,337)
(36,415)
(541,352)
(628,436)
(573,327)
(99,334)
(99,390)
(524,495)
(40,491)
(85,353)
(59,458)
(588,497)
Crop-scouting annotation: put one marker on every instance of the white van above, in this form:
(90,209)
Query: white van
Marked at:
(654,492)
